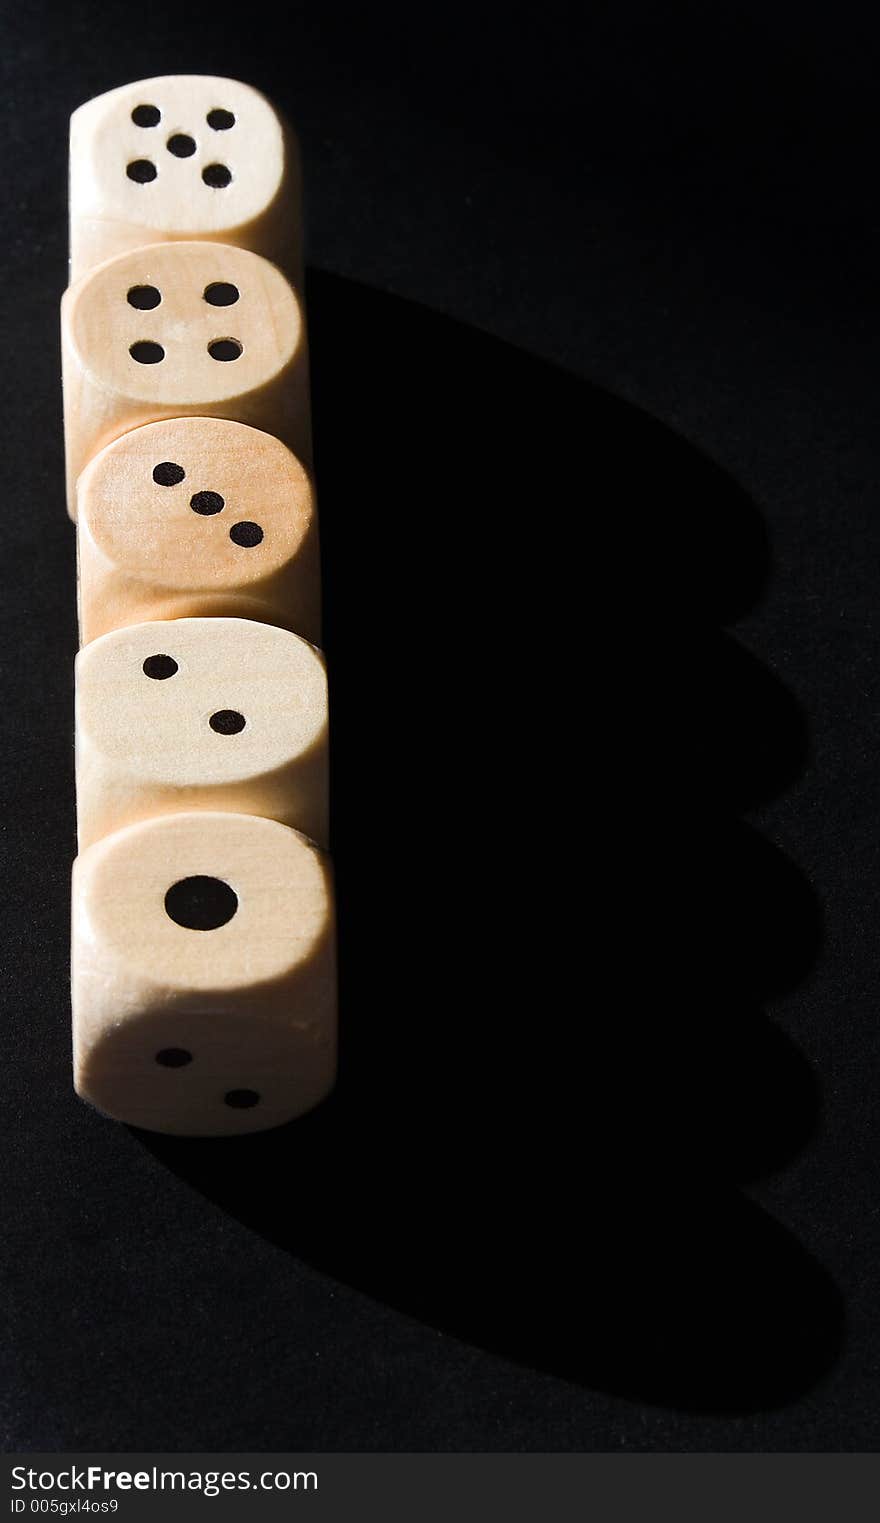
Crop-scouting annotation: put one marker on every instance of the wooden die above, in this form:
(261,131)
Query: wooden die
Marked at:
(181,329)
(194,517)
(200,714)
(185,156)
(203,974)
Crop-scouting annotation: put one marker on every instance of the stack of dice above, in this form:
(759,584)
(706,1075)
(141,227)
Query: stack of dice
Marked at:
(203,958)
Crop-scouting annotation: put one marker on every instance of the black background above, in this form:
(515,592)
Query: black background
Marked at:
(594,320)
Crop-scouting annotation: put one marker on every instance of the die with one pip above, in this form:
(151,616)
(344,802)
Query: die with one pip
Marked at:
(203,974)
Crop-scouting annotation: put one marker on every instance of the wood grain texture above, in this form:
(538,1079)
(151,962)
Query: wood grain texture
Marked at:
(153,548)
(128,188)
(204,1032)
(200,714)
(124,365)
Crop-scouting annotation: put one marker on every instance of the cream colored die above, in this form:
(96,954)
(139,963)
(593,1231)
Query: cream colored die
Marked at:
(203,974)
(193,517)
(181,329)
(200,714)
(184,156)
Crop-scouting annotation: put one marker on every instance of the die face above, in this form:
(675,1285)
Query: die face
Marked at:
(203,974)
(205,1073)
(222,713)
(145,326)
(197,504)
(176,156)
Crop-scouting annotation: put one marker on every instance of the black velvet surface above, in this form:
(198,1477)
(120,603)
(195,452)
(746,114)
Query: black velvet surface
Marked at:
(594,322)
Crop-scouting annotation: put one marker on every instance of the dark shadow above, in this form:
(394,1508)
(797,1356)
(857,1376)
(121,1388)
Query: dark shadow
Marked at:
(556,935)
